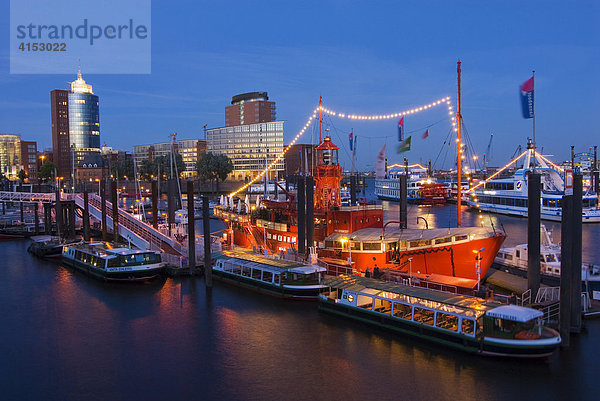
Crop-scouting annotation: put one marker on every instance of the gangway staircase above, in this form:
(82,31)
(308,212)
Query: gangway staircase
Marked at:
(141,234)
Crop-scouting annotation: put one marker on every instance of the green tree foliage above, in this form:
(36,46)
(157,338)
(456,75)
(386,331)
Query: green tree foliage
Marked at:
(213,167)
(47,171)
(148,169)
(22,175)
(121,169)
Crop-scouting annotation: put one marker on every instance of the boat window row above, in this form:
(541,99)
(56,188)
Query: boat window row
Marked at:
(255,273)
(496,200)
(89,259)
(502,186)
(430,317)
(281,238)
(391,246)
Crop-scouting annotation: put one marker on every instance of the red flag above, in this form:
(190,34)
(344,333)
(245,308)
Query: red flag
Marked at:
(426,134)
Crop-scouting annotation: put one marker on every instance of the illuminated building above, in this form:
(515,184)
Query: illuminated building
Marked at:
(250,147)
(189,149)
(249,108)
(75,124)
(10,155)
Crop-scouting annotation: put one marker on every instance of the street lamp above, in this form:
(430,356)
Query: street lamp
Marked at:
(410,271)
(478,264)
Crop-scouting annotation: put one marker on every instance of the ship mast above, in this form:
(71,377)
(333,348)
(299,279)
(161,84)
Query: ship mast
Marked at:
(320,116)
(459,152)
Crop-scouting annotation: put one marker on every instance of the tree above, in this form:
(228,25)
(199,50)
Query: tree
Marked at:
(151,168)
(22,175)
(122,168)
(214,167)
(47,171)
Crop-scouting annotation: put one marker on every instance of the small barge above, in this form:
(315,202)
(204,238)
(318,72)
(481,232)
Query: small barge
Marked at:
(113,264)
(467,323)
(46,246)
(274,277)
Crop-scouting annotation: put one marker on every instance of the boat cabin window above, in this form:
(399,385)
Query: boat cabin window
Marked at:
(461,237)
(446,321)
(550,258)
(420,243)
(468,326)
(277,279)
(443,240)
(140,259)
(504,326)
(371,246)
(365,302)
(518,253)
(236,269)
(424,316)
(329,244)
(256,274)
(113,262)
(402,311)
(245,271)
(267,276)
(382,306)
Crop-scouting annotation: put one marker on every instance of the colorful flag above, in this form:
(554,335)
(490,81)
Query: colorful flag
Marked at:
(426,134)
(380,163)
(351,140)
(527,98)
(404,146)
(401,130)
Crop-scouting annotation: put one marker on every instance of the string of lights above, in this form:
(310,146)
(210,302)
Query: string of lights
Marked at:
(415,110)
(498,172)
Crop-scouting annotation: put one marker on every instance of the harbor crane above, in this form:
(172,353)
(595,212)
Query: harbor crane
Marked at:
(486,155)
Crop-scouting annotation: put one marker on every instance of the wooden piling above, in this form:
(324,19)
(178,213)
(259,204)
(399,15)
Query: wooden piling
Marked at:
(155,204)
(352,189)
(47,218)
(191,228)
(403,218)
(170,203)
(301,198)
(310,211)
(86,216)
(103,209)
(71,217)
(533,232)
(566,235)
(115,210)
(206,234)
(36,216)
(576,246)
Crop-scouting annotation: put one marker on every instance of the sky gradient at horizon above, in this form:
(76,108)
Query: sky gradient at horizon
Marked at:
(362,57)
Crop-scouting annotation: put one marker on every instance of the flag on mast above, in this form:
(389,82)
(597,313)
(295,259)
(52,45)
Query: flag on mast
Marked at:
(380,163)
(527,98)
(404,146)
(401,130)
(351,141)
(426,134)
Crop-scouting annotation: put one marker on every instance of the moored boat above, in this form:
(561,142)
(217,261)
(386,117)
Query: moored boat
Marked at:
(275,277)
(508,194)
(46,246)
(113,264)
(445,251)
(515,259)
(467,323)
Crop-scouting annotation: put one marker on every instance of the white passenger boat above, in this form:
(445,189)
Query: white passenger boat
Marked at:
(275,277)
(467,323)
(508,195)
(113,264)
(515,259)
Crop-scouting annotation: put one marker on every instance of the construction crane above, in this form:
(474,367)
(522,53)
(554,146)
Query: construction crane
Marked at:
(486,155)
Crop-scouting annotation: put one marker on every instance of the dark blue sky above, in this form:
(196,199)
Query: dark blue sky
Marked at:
(363,57)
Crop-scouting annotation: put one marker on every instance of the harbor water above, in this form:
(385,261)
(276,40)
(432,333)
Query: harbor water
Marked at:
(66,336)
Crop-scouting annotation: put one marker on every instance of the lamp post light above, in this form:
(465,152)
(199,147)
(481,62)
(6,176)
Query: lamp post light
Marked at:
(410,271)
(478,265)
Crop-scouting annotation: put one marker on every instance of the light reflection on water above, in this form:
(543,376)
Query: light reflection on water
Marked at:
(69,337)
